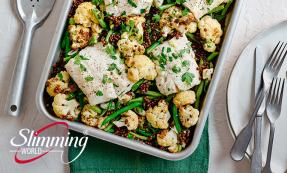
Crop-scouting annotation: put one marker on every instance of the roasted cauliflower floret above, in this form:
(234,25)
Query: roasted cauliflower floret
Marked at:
(96,30)
(141,67)
(168,138)
(174,18)
(188,116)
(124,99)
(84,14)
(89,116)
(79,35)
(210,31)
(129,119)
(58,84)
(184,98)
(129,47)
(207,73)
(65,109)
(159,115)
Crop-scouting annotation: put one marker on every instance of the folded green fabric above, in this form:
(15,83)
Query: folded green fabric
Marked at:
(104,157)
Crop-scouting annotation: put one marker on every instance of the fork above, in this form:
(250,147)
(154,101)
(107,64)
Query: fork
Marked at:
(273,110)
(271,69)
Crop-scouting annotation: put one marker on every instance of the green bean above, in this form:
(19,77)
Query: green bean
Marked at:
(143,132)
(224,11)
(169,97)
(96,109)
(176,119)
(199,92)
(154,45)
(109,35)
(109,127)
(101,21)
(153,94)
(206,84)
(166,6)
(191,36)
(137,84)
(120,111)
(111,130)
(139,99)
(212,56)
(138,136)
(216,9)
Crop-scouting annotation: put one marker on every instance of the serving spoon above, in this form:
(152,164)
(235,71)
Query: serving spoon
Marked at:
(32,14)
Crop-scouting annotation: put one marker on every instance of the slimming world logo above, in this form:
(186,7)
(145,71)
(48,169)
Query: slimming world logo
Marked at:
(31,146)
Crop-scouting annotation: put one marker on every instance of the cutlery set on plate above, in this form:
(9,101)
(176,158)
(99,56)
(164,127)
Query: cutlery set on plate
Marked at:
(268,101)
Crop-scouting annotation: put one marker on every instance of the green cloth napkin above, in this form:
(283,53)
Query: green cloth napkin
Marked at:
(104,157)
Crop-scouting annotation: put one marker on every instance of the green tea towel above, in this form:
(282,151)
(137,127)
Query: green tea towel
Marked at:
(104,157)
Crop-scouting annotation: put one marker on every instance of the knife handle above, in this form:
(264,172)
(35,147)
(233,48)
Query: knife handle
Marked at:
(256,161)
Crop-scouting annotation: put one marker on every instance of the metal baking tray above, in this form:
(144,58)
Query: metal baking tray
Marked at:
(53,56)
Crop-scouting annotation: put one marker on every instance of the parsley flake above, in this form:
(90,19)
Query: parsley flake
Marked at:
(187,77)
(99,93)
(132,3)
(176,69)
(89,78)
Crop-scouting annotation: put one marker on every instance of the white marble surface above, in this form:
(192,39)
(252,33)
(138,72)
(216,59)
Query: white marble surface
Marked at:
(256,16)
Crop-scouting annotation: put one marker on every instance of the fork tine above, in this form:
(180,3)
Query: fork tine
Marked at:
(274,91)
(273,52)
(277,54)
(277,95)
(270,94)
(279,62)
(281,93)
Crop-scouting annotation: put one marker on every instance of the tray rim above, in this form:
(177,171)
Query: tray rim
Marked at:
(132,144)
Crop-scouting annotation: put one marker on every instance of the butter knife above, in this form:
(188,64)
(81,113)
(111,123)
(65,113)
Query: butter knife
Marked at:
(256,160)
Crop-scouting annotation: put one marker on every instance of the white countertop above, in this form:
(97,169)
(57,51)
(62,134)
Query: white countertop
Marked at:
(256,16)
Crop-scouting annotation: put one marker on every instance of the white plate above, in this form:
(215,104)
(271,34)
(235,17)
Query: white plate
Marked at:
(241,90)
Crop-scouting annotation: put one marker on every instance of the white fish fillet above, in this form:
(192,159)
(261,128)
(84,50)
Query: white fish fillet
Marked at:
(118,7)
(200,8)
(96,68)
(167,81)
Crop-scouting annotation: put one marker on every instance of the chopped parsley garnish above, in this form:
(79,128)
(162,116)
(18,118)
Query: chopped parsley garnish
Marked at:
(93,41)
(209,2)
(176,69)
(142,11)
(60,76)
(111,51)
(168,50)
(185,63)
(185,11)
(89,78)
(83,68)
(112,67)
(99,93)
(106,79)
(187,77)
(78,59)
(132,3)
(156,17)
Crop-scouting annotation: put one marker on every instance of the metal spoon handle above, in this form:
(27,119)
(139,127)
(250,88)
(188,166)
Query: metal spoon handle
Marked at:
(267,167)
(16,89)
(256,161)
(243,139)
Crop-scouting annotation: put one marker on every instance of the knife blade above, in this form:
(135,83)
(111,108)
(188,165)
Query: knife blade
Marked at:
(256,160)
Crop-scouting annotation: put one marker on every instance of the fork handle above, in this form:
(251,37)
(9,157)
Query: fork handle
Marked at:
(19,73)
(267,167)
(256,161)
